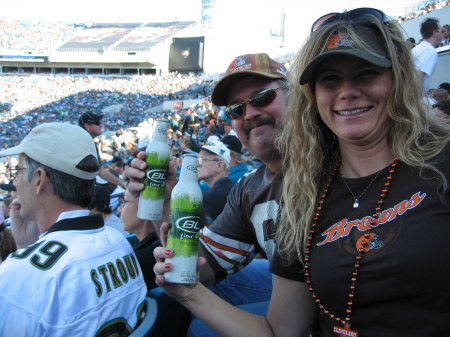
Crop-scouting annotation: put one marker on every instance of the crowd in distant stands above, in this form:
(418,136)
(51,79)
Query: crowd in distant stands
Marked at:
(122,137)
(24,34)
(26,101)
(431,6)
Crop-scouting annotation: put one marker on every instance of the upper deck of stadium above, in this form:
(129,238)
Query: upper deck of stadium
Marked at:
(132,48)
(47,38)
(122,37)
(88,48)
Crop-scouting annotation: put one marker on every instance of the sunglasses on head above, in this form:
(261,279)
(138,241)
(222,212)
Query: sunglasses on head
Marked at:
(354,16)
(261,99)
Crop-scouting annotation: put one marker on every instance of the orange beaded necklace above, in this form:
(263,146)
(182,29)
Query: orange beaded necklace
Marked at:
(362,246)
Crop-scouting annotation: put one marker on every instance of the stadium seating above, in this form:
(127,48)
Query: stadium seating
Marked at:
(146,327)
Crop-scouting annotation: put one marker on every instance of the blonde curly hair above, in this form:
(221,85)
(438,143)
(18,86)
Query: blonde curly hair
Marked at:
(310,149)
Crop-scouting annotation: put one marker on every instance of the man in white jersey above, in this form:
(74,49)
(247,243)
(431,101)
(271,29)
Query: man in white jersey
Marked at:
(80,278)
(254,89)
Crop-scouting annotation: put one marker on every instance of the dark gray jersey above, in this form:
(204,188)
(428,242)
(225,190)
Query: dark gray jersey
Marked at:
(246,226)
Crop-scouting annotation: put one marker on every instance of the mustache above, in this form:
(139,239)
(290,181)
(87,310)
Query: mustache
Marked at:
(254,123)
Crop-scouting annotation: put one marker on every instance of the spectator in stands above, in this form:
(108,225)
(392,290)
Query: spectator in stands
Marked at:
(92,123)
(6,208)
(119,167)
(440,95)
(445,86)
(7,242)
(226,123)
(411,42)
(190,123)
(144,134)
(114,190)
(213,168)
(11,162)
(100,205)
(202,129)
(445,35)
(212,134)
(424,53)
(441,111)
(237,167)
(173,121)
(55,185)
(146,238)
(186,144)
(115,160)
(176,141)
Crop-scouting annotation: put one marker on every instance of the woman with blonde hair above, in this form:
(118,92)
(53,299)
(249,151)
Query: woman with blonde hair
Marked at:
(362,239)
(366,197)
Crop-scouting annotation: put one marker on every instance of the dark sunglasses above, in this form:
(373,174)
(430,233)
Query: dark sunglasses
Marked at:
(95,123)
(354,16)
(261,99)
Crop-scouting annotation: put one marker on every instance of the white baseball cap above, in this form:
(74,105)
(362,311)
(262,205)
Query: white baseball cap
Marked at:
(59,146)
(218,148)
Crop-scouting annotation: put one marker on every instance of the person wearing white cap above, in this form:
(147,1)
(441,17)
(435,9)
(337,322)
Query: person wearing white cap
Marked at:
(79,277)
(213,168)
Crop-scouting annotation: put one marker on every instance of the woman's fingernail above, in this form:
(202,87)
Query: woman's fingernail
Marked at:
(167,265)
(168,252)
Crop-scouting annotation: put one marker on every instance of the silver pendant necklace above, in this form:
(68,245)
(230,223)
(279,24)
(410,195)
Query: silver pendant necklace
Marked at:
(356,202)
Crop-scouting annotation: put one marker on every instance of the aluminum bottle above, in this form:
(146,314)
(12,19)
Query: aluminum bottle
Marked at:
(185,208)
(151,201)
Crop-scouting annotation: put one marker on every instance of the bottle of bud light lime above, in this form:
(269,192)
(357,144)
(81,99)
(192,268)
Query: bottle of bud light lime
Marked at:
(182,238)
(151,201)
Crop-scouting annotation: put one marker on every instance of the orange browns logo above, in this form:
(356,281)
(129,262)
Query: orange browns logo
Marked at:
(236,63)
(339,40)
(344,227)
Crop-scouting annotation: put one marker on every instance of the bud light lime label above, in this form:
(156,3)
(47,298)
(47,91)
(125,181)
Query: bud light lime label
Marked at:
(155,176)
(151,201)
(183,238)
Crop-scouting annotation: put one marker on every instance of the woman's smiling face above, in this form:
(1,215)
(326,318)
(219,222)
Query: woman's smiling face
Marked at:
(352,97)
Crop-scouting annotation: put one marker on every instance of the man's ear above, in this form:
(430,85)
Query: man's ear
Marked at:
(40,180)
(220,167)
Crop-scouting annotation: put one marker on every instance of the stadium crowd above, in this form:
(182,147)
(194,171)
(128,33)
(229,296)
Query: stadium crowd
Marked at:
(31,100)
(26,34)
(429,7)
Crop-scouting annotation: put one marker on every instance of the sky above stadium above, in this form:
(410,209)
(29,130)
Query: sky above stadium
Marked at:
(240,26)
